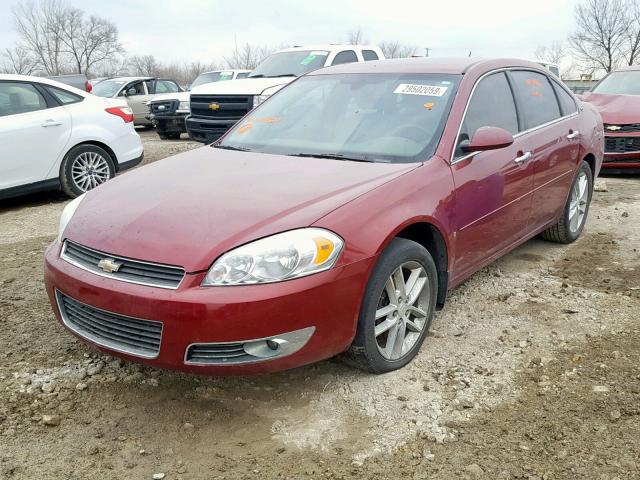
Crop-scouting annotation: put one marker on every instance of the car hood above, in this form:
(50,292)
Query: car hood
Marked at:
(622,109)
(188,209)
(245,86)
(180,96)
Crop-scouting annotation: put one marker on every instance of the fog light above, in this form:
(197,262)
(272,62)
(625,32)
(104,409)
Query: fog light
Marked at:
(272,345)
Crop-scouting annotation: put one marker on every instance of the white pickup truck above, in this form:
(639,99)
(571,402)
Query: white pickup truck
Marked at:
(167,112)
(215,107)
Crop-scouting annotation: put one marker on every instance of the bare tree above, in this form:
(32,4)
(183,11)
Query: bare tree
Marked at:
(247,56)
(553,53)
(397,50)
(356,37)
(632,37)
(145,65)
(17,60)
(602,28)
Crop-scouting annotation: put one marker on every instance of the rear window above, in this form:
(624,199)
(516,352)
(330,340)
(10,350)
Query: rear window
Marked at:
(64,97)
(567,103)
(537,98)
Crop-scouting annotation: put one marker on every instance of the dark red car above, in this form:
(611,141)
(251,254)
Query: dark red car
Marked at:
(617,98)
(330,220)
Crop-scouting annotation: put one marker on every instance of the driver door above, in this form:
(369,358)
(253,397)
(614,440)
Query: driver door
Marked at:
(493,188)
(137,95)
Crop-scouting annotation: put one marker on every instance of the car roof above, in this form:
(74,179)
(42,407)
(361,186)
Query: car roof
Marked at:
(452,66)
(129,79)
(332,47)
(47,81)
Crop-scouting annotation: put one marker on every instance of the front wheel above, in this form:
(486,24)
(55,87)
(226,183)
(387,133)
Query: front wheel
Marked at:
(574,216)
(396,310)
(84,168)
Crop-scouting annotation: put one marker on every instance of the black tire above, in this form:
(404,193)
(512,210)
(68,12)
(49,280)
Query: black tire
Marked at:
(173,136)
(561,231)
(364,352)
(163,136)
(69,186)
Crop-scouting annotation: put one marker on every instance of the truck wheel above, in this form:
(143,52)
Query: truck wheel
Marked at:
(84,168)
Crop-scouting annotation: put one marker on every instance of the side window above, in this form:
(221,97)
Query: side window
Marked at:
(492,105)
(567,103)
(243,75)
(18,98)
(346,56)
(369,55)
(537,98)
(64,97)
(165,86)
(134,89)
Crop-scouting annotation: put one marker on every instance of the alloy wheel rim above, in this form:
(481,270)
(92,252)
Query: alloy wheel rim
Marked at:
(401,315)
(578,202)
(88,170)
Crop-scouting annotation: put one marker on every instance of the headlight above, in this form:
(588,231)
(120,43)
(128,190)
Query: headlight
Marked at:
(184,107)
(67,213)
(258,99)
(266,93)
(279,257)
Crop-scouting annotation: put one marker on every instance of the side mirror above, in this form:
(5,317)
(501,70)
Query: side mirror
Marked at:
(487,138)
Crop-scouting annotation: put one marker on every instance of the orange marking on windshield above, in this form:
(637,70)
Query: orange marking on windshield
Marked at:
(534,82)
(428,105)
(268,119)
(245,128)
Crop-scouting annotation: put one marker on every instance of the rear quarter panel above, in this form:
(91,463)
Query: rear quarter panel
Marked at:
(592,140)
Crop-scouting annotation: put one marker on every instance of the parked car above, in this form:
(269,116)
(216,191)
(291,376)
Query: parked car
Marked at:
(78,80)
(55,136)
(333,219)
(137,92)
(617,98)
(217,107)
(168,112)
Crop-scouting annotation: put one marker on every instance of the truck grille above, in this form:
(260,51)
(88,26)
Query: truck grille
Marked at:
(111,330)
(631,127)
(229,107)
(163,107)
(129,270)
(622,144)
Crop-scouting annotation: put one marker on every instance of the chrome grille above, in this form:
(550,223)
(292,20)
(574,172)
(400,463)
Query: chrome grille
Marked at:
(163,107)
(229,107)
(118,332)
(216,354)
(129,270)
(617,128)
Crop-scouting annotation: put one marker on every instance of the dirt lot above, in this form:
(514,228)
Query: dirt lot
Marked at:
(532,371)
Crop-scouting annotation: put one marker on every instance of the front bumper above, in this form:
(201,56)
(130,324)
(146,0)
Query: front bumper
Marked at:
(174,123)
(208,130)
(622,153)
(326,303)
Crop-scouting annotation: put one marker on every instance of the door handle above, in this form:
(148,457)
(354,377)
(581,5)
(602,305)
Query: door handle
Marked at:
(50,123)
(523,158)
(573,135)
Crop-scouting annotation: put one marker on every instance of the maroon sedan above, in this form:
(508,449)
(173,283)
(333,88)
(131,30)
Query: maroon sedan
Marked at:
(330,220)
(617,98)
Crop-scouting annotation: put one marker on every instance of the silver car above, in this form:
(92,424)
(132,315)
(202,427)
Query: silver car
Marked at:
(137,91)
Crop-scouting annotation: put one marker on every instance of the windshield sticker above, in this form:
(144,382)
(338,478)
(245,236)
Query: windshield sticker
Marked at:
(308,59)
(428,106)
(426,90)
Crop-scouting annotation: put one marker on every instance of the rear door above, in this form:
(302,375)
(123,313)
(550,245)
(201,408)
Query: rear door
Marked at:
(493,188)
(33,133)
(551,135)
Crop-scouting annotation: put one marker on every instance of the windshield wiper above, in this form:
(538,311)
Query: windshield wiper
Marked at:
(283,75)
(230,147)
(256,76)
(332,156)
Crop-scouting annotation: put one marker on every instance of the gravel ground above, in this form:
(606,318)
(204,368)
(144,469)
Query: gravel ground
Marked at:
(532,371)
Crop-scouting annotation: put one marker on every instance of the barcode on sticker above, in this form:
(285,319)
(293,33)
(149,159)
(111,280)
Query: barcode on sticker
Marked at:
(427,90)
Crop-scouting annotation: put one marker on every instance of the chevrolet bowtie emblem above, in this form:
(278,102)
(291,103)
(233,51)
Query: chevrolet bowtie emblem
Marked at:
(214,106)
(613,128)
(108,265)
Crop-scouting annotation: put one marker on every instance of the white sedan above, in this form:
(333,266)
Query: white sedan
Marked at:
(55,136)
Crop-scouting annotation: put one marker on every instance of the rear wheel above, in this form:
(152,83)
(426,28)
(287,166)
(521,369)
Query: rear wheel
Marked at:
(397,308)
(574,216)
(84,168)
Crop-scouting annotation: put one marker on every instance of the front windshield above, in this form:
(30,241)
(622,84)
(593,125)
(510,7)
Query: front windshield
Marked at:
(294,63)
(108,88)
(212,77)
(368,117)
(620,83)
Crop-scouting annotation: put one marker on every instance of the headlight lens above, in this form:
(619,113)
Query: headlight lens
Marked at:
(184,107)
(67,213)
(283,256)
(266,93)
(258,99)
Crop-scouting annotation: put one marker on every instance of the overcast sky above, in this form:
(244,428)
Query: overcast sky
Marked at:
(205,30)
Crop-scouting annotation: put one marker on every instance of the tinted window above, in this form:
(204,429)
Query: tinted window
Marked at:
(64,97)
(165,86)
(242,75)
(567,103)
(538,101)
(18,98)
(369,55)
(346,56)
(491,105)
